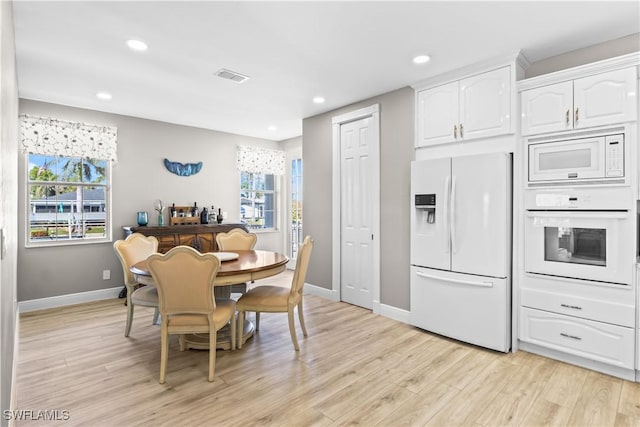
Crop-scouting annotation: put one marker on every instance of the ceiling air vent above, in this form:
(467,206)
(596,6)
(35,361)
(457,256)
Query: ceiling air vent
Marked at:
(231,75)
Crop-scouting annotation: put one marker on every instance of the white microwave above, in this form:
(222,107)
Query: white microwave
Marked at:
(588,160)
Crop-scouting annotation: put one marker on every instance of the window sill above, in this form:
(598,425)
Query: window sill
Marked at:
(263,230)
(58,243)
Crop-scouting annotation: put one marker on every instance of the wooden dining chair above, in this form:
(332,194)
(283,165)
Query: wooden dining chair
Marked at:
(185,280)
(236,240)
(136,247)
(279,299)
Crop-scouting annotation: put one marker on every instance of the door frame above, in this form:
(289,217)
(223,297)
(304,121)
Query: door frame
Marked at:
(373,112)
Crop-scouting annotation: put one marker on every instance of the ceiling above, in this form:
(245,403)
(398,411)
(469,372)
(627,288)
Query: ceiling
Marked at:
(292,51)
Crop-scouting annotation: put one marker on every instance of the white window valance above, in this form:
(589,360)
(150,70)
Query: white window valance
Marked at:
(42,135)
(260,160)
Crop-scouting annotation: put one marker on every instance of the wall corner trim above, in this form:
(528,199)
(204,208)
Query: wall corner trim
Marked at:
(395,313)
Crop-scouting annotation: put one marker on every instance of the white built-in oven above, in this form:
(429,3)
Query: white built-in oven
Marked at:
(597,158)
(589,245)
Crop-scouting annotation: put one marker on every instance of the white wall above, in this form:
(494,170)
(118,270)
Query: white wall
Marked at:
(139,178)
(8,202)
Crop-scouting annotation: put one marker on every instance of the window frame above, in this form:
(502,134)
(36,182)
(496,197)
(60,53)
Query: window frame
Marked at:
(276,201)
(292,157)
(107,185)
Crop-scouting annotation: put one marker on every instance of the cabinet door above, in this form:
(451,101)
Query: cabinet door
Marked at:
(207,242)
(605,98)
(166,242)
(485,104)
(547,108)
(437,114)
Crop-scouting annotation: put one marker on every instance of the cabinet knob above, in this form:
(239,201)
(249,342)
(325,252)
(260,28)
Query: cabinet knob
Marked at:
(461,131)
(455,131)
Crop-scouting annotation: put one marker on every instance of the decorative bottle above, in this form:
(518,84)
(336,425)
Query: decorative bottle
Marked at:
(173,211)
(204,216)
(194,211)
(219,218)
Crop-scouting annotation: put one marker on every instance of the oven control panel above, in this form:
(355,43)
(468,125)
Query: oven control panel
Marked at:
(614,146)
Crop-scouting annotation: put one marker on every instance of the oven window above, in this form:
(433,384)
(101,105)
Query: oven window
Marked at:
(576,245)
(568,159)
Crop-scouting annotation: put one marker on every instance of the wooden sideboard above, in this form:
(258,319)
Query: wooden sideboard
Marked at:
(199,236)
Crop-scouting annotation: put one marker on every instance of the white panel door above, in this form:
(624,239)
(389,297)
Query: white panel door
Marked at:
(356,216)
(430,238)
(485,105)
(547,109)
(437,114)
(605,98)
(480,214)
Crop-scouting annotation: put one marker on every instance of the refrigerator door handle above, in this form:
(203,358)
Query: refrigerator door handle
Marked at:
(456,281)
(453,215)
(446,213)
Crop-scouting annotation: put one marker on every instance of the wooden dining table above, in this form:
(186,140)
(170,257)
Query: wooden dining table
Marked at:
(249,266)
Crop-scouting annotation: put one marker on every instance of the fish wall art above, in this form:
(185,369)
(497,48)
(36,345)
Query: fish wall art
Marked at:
(182,169)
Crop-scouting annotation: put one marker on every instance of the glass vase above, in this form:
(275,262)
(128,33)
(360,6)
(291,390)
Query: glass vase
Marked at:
(143,219)
(160,220)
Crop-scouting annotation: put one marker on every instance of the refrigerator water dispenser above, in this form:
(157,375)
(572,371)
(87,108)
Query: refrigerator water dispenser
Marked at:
(426,203)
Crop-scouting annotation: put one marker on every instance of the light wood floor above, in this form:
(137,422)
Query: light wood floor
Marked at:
(355,368)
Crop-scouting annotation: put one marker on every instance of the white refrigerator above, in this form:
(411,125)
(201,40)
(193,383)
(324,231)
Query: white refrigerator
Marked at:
(461,248)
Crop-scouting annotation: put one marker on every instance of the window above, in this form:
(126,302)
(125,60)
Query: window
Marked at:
(258,200)
(68,180)
(295,225)
(67,199)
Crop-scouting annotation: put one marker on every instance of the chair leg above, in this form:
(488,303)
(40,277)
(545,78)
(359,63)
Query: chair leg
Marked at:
(183,342)
(156,316)
(127,328)
(292,329)
(233,332)
(212,353)
(164,352)
(257,321)
(301,317)
(240,329)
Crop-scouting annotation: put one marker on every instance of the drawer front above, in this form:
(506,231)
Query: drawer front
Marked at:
(598,341)
(468,308)
(586,308)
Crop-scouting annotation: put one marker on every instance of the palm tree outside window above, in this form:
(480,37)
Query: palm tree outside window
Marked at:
(68,199)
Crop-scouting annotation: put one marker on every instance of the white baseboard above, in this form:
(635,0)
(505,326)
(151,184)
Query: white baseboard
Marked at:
(394,313)
(381,309)
(70,299)
(321,292)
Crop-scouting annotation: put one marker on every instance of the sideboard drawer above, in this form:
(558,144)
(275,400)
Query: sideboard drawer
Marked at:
(580,306)
(585,338)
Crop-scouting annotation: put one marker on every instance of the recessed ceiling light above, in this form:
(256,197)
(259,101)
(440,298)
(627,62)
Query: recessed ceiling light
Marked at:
(421,59)
(104,95)
(318,99)
(137,45)
(272,128)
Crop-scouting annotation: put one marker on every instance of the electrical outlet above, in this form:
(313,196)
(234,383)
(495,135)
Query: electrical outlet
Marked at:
(106,274)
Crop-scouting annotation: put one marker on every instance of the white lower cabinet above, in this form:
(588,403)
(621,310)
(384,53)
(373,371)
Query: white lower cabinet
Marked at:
(588,319)
(597,341)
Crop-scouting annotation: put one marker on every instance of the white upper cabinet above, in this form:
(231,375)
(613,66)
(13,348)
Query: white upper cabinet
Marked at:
(596,100)
(547,109)
(605,98)
(475,107)
(437,114)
